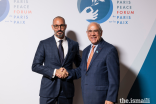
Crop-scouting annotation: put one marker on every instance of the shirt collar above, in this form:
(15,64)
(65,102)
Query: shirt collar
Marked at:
(94,45)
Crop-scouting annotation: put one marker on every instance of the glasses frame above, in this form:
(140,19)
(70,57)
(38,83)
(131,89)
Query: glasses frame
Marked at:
(62,26)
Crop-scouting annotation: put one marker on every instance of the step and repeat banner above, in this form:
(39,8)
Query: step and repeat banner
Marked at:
(130,25)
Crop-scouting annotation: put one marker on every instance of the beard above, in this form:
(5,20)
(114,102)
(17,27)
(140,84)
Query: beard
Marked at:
(59,35)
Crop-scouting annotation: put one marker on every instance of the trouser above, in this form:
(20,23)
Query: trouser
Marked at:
(61,99)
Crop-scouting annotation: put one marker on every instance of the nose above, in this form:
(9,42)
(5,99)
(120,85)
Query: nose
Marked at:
(92,33)
(59,27)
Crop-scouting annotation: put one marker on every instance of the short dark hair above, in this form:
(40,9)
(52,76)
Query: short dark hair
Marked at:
(59,17)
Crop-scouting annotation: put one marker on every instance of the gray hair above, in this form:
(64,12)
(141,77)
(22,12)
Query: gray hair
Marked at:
(96,24)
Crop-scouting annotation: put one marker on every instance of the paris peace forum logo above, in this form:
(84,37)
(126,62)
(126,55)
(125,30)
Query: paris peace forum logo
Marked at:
(95,10)
(4,9)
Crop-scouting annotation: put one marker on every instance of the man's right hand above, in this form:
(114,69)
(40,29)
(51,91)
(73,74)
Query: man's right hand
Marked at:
(61,73)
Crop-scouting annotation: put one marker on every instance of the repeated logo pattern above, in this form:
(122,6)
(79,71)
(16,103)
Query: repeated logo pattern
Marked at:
(4,9)
(95,10)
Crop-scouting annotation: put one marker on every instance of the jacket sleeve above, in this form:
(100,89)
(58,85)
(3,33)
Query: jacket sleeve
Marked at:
(77,59)
(112,62)
(75,73)
(38,61)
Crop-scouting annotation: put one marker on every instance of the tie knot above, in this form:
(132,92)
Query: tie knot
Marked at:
(93,46)
(60,41)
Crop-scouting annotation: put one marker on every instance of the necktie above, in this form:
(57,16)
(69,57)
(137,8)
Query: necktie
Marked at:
(90,56)
(61,52)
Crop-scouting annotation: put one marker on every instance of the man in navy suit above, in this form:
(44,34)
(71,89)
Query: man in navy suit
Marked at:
(52,54)
(99,69)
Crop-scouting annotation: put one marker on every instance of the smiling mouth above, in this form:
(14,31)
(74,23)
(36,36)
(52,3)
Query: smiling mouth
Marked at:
(59,31)
(93,38)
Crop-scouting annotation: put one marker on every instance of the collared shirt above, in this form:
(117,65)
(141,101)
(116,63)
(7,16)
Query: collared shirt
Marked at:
(91,49)
(64,44)
(65,48)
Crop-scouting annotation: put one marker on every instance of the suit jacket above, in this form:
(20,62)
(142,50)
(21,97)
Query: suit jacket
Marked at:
(47,59)
(101,81)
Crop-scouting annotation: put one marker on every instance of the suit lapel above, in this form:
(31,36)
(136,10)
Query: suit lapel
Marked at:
(97,51)
(55,49)
(69,49)
(86,55)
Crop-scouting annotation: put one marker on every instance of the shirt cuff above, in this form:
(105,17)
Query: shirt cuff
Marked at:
(54,73)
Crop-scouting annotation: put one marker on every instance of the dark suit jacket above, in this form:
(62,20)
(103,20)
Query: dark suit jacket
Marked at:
(47,54)
(101,81)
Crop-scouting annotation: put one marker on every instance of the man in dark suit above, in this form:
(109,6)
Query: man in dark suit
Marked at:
(99,69)
(52,54)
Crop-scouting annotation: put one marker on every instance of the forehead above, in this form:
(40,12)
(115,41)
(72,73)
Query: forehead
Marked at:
(58,21)
(93,27)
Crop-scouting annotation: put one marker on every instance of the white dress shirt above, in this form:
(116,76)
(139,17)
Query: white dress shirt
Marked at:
(65,48)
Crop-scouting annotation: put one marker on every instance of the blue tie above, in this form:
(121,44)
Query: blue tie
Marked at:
(61,52)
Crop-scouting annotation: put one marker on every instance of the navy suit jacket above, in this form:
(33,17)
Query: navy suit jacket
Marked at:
(101,81)
(47,59)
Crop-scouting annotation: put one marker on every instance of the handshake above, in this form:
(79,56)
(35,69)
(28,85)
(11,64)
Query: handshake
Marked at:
(61,73)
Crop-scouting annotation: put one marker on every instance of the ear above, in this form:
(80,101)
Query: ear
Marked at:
(66,26)
(52,27)
(101,32)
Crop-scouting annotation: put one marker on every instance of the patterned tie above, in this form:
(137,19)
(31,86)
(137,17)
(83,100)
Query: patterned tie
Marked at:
(61,52)
(90,57)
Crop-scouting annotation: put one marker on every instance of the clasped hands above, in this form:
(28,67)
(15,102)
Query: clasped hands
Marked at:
(61,73)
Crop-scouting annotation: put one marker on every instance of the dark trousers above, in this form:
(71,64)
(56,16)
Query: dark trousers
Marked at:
(61,99)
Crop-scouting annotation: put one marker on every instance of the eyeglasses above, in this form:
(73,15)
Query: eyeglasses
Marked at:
(95,31)
(62,26)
